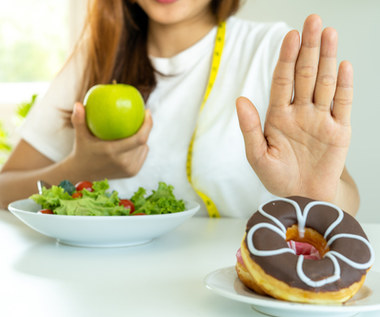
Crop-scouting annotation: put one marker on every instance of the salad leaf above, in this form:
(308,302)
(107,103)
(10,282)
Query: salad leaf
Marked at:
(86,206)
(161,201)
(138,198)
(51,198)
(100,186)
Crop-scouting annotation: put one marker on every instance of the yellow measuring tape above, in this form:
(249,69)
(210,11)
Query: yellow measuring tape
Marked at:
(217,55)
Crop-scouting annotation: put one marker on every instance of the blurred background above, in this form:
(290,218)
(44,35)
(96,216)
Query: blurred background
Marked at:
(37,36)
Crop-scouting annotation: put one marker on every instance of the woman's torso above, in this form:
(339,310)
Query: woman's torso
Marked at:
(219,166)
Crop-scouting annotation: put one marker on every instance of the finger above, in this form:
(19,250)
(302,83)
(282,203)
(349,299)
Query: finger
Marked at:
(306,66)
(138,139)
(344,94)
(326,78)
(250,126)
(78,119)
(283,75)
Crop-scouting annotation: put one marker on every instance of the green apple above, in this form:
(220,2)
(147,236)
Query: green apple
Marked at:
(114,111)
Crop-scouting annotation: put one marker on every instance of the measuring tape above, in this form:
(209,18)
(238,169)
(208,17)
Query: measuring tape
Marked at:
(217,55)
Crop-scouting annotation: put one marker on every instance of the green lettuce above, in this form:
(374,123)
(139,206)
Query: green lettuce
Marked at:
(51,198)
(161,201)
(102,202)
(87,206)
(99,202)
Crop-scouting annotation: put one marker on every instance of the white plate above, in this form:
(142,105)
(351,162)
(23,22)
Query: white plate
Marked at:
(100,231)
(225,282)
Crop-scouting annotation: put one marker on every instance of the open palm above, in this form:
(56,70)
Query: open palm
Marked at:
(307,131)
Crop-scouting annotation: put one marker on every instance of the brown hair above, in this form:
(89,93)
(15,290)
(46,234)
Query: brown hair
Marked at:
(116,33)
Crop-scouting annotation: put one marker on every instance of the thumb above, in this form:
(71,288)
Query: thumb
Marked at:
(250,126)
(78,119)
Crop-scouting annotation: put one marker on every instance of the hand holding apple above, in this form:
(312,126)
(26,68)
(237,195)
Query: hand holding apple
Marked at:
(114,111)
(92,158)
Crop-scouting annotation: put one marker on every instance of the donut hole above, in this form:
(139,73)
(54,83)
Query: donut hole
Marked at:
(312,245)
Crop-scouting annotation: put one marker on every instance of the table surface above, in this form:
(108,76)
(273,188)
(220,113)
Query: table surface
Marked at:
(40,277)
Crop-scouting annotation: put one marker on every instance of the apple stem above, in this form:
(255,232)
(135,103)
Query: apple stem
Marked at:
(114,82)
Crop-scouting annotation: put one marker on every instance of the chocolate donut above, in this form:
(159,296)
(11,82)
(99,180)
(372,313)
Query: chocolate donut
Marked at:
(346,254)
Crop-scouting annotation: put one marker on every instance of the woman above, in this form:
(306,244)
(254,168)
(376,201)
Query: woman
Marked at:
(181,57)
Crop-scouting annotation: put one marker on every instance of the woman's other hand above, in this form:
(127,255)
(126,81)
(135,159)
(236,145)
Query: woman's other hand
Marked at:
(306,136)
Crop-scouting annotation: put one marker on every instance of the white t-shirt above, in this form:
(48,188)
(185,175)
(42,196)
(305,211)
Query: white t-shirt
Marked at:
(220,168)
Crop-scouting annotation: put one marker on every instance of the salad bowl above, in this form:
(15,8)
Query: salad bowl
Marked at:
(100,231)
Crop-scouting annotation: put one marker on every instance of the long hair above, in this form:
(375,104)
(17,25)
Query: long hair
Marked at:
(116,35)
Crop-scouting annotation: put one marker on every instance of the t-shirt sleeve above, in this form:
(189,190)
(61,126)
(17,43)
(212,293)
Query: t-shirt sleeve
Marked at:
(45,127)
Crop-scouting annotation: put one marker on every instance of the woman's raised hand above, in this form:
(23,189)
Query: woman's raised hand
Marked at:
(96,159)
(307,131)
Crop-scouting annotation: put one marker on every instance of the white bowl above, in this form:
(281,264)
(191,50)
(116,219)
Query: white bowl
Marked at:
(100,231)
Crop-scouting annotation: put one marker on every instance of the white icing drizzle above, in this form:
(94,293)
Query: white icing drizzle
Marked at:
(301,219)
(333,225)
(336,222)
(252,248)
(274,219)
(331,279)
(359,266)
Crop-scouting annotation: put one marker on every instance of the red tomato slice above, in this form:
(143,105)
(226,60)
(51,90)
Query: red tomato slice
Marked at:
(47,211)
(127,204)
(139,214)
(77,195)
(84,185)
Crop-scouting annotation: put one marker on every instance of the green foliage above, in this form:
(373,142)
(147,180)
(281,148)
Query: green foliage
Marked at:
(21,112)
(4,145)
(24,108)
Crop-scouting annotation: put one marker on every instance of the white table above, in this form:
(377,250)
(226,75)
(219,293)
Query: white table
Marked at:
(39,277)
